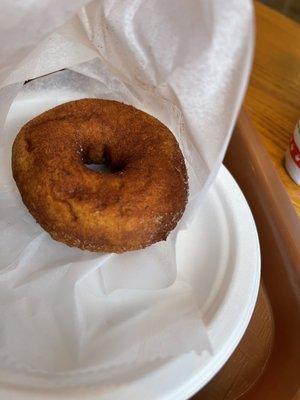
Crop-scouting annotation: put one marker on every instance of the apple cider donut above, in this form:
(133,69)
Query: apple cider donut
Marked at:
(137,203)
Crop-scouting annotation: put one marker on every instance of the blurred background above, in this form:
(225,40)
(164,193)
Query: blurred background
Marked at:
(291,8)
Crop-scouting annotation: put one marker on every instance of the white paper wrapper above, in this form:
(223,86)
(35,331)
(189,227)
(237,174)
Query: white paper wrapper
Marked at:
(76,317)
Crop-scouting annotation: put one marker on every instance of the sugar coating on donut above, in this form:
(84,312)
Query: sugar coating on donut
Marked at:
(134,205)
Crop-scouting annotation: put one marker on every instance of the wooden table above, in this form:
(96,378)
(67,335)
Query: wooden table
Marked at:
(273,97)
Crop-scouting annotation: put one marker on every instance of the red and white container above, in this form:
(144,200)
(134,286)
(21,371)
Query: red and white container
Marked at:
(292,157)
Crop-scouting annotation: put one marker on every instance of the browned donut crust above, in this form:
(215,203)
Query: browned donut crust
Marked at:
(134,206)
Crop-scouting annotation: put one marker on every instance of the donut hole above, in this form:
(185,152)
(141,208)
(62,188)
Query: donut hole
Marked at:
(105,168)
(103,163)
(99,168)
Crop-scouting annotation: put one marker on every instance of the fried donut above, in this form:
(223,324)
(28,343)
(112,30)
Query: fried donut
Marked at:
(137,203)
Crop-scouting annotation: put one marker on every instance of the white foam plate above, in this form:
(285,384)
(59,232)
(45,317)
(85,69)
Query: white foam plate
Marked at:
(220,255)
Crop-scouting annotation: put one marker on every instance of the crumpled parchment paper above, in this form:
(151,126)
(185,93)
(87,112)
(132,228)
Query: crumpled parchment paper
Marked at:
(70,315)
